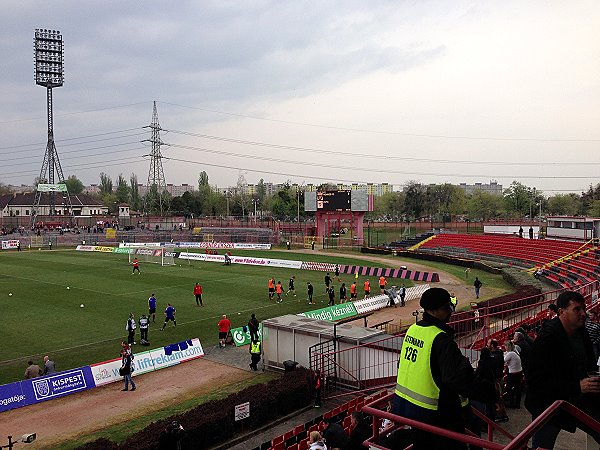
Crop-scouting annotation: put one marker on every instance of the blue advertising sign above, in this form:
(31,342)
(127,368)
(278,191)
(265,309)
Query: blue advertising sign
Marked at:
(11,396)
(56,385)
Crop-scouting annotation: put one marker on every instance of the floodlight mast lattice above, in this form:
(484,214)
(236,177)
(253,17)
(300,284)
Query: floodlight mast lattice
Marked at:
(49,72)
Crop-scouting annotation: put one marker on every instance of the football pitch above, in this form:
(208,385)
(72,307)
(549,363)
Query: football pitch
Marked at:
(43,315)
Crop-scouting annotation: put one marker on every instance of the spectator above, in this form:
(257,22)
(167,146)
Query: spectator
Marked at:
(561,357)
(49,368)
(512,360)
(486,369)
(498,357)
(593,329)
(525,350)
(32,371)
(316,441)
(530,232)
(335,436)
(360,430)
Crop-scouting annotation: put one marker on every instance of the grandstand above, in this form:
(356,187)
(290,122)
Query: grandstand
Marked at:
(498,321)
(568,264)
(565,263)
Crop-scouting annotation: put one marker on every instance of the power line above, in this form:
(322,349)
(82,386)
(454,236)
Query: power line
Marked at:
(74,113)
(393,133)
(379,170)
(73,139)
(375,156)
(304,176)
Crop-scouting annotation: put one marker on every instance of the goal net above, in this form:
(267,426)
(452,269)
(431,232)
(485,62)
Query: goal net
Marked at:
(156,255)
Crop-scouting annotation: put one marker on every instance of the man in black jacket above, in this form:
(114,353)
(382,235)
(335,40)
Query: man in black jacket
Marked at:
(434,390)
(561,358)
(334,434)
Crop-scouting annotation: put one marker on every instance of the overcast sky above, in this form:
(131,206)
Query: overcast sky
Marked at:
(310,91)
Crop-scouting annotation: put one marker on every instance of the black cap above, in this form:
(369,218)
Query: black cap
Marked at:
(434,298)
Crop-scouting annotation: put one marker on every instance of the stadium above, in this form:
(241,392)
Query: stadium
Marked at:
(55,292)
(397,247)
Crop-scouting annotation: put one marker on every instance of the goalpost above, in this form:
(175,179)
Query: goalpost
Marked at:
(155,255)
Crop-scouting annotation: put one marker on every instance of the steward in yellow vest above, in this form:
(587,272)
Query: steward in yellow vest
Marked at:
(433,375)
(255,352)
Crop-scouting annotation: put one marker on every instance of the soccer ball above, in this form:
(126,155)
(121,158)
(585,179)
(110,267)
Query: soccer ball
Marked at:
(68,288)
(10,294)
(81,306)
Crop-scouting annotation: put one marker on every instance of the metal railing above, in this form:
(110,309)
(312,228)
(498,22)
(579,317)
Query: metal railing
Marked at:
(375,363)
(516,442)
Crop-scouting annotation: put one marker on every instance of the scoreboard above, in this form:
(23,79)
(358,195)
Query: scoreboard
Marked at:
(334,201)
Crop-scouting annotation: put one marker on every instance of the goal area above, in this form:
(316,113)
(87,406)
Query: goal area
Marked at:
(156,255)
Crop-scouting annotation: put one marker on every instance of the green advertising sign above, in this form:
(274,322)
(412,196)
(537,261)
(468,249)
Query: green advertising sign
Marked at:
(121,250)
(241,337)
(59,187)
(333,313)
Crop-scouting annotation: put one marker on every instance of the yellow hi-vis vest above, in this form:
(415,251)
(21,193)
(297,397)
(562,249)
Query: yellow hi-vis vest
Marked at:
(454,301)
(415,382)
(255,348)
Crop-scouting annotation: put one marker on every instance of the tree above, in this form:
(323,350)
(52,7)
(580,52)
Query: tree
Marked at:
(594,209)
(74,185)
(106,184)
(261,191)
(122,191)
(518,199)
(4,189)
(482,205)
(202,179)
(414,200)
(390,205)
(136,199)
(564,204)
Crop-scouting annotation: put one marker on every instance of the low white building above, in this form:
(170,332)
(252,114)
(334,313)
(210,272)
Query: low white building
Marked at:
(573,227)
(21,205)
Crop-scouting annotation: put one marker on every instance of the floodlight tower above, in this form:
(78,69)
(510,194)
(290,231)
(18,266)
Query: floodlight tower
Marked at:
(155,200)
(49,72)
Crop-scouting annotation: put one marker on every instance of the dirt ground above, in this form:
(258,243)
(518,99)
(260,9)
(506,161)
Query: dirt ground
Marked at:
(80,414)
(83,413)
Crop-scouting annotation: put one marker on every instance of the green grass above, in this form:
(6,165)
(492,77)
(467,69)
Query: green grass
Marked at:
(43,317)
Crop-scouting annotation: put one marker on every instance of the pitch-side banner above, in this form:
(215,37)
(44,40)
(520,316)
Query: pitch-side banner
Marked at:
(241,335)
(332,313)
(264,262)
(159,358)
(10,244)
(28,392)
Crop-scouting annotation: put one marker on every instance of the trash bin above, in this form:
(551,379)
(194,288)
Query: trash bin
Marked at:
(289,365)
